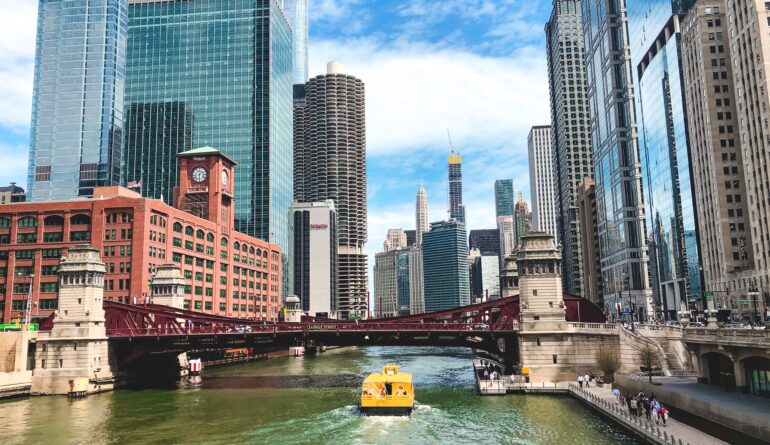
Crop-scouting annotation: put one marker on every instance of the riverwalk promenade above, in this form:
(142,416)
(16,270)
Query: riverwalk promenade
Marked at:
(674,432)
(601,399)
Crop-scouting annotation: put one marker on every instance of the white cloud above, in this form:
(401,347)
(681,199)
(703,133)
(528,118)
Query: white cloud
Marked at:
(17,54)
(13,167)
(331,10)
(415,91)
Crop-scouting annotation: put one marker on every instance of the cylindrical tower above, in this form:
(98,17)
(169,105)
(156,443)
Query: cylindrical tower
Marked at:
(334,158)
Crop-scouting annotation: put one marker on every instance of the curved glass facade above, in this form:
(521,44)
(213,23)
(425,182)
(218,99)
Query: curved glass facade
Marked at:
(663,144)
(77,103)
(620,209)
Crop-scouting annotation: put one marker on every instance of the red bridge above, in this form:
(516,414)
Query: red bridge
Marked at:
(139,332)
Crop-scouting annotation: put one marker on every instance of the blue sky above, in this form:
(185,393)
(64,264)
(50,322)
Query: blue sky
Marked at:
(476,67)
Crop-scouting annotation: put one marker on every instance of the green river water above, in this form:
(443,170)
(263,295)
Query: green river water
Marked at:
(309,400)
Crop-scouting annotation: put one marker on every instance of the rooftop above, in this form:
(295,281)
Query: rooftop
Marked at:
(204,151)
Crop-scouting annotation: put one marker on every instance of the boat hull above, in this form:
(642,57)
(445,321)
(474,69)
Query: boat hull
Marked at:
(385,410)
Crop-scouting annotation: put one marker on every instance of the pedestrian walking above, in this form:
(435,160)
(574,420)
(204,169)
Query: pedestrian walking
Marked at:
(486,374)
(663,413)
(629,403)
(580,380)
(616,394)
(647,407)
(587,379)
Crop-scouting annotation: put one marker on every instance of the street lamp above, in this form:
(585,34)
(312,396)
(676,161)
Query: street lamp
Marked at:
(28,303)
(753,295)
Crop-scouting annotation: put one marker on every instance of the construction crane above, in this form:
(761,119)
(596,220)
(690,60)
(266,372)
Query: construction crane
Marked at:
(451,147)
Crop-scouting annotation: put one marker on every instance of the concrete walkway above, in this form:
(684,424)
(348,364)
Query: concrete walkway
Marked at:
(745,404)
(742,413)
(684,434)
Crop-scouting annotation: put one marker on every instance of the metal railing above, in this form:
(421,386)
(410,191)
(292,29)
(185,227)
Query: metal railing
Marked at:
(612,409)
(597,326)
(254,328)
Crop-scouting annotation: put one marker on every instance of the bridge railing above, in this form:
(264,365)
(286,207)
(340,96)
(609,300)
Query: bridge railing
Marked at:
(729,334)
(456,328)
(597,326)
(202,330)
(654,328)
(405,327)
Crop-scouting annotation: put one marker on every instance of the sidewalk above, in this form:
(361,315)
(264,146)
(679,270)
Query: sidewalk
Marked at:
(684,433)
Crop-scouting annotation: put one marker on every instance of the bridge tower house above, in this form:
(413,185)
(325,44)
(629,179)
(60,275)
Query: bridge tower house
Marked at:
(168,286)
(168,290)
(540,285)
(73,357)
(293,309)
(509,277)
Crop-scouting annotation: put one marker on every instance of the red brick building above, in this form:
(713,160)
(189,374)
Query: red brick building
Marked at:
(227,272)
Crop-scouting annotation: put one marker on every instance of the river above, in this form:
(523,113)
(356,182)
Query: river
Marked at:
(310,400)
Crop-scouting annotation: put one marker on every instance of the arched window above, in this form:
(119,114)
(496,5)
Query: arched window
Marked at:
(28,221)
(80,219)
(251,250)
(259,252)
(5,223)
(200,234)
(177,227)
(244,248)
(188,230)
(264,254)
(53,221)
(210,237)
(224,242)
(237,245)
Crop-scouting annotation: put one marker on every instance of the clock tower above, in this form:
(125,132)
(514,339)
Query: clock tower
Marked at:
(206,185)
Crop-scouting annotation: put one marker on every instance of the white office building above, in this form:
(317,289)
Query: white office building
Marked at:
(314,228)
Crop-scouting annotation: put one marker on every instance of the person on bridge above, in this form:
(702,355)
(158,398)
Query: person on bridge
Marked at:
(663,414)
(580,379)
(587,379)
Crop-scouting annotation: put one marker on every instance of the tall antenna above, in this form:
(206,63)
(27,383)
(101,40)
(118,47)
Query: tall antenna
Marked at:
(451,147)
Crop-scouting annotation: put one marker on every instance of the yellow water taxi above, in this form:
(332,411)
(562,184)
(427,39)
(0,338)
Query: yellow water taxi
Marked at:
(387,393)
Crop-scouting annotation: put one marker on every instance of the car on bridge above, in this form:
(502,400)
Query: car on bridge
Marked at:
(477,327)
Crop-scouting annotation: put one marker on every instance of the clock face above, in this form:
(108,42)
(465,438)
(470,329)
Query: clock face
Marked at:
(199,174)
(224,177)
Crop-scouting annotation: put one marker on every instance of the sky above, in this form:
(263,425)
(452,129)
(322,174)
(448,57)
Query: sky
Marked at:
(475,67)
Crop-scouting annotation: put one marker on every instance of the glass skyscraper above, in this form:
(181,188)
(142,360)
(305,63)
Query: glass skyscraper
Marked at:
(77,103)
(455,175)
(620,212)
(296,10)
(503,197)
(213,73)
(446,279)
(661,116)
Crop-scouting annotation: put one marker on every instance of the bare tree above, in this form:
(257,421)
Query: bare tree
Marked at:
(608,361)
(649,358)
